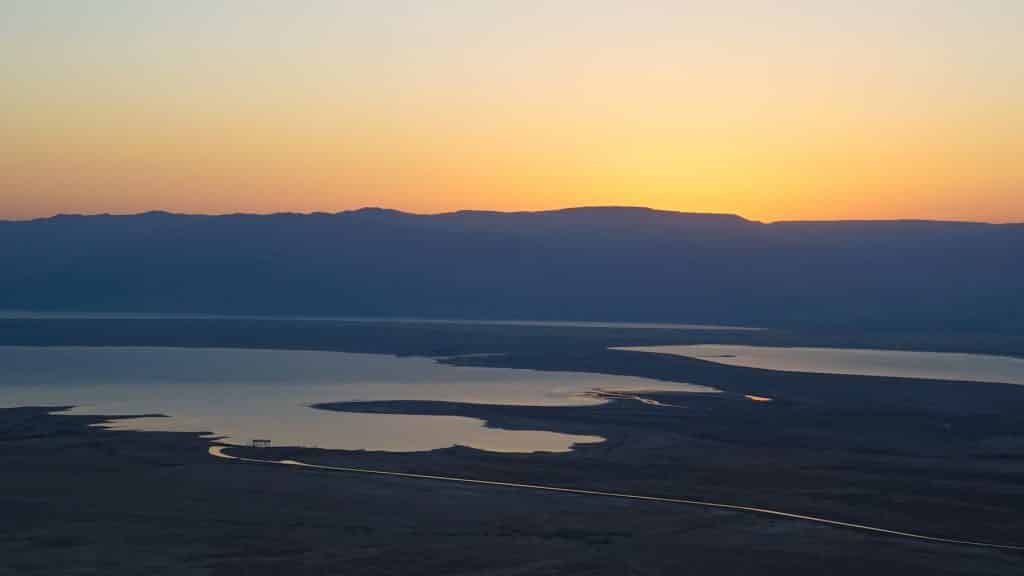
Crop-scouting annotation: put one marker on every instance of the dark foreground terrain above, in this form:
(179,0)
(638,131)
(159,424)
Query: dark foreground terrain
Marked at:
(936,458)
(81,500)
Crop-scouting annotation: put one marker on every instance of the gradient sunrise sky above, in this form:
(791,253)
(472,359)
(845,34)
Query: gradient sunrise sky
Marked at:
(769,109)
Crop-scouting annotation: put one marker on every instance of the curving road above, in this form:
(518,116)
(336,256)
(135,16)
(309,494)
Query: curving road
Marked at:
(219,452)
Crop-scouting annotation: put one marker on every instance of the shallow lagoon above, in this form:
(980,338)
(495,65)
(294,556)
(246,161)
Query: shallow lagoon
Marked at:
(894,363)
(239,395)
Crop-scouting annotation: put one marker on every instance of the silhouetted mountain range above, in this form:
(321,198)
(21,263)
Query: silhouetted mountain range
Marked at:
(604,263)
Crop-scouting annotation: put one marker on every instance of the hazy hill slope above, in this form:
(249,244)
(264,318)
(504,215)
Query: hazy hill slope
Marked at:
(586,263)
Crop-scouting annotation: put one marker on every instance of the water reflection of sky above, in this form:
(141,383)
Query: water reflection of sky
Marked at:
(245,394)
(935,365)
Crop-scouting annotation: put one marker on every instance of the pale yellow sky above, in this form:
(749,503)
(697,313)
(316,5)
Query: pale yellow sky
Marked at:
(825,109)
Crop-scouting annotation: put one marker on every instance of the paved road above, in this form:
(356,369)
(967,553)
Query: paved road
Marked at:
(219,452)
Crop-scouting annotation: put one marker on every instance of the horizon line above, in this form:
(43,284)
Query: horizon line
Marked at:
(158,211)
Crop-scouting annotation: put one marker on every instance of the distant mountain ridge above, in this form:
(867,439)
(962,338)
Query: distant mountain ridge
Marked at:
(593,263)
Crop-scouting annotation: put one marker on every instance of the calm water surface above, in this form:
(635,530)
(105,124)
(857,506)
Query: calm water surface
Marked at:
(244,394)
(32,314)
(935,365)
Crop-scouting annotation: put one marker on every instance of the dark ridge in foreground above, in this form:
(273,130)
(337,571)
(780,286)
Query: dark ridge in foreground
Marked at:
(600,263)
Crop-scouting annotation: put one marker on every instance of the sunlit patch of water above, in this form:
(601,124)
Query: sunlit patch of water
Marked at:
(239,395)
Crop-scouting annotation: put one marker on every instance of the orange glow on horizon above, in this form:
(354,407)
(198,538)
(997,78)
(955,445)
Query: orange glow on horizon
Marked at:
(764,111)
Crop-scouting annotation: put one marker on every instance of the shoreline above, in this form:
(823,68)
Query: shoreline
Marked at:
(439,339)
(865,450)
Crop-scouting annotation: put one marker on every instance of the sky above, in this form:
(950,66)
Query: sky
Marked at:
(773,110)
